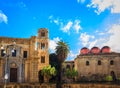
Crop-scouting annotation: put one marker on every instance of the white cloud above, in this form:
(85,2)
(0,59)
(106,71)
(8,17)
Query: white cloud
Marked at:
(85,39)
(71,25)
(80,1)
(114,39)
(56,21)
(102,5)
(21,5)
(3,17)
(18,4)
(72,55)
(50,17)
(53,44)
(116,6)
(77,26)
(100,33)
(67,27)
(92,44)
(53,20)
(107,38)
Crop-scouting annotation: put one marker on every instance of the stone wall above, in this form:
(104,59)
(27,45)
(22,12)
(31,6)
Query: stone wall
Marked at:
(63,86)
(8,40)
(92,67)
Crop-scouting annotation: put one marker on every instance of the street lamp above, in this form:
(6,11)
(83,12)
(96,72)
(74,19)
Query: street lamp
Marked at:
(6,54)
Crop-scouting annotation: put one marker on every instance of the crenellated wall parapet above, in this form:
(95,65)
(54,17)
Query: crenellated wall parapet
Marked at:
(8,40)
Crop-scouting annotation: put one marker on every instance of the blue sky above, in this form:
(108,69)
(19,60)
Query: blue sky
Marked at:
(80,23)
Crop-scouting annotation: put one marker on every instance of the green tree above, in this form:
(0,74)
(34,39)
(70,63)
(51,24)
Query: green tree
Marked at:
(71,73)
(48,72)
(54,63)
(62,51)
(53,60)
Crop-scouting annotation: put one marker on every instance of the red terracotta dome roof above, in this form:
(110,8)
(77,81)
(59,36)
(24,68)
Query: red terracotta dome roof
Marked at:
(84,50)
(95,50)
(106,49)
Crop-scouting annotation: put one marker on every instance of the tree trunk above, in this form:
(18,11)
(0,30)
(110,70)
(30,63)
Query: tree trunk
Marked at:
(58,85)
(46,79)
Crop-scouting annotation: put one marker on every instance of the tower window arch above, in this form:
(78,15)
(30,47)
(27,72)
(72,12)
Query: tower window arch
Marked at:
(99,62)
(24,54)
(42,59)
(43,34)
(111,62)
(87,63)
(42,45)
(68,66)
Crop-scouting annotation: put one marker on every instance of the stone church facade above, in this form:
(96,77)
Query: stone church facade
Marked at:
(97,62)
(21,59)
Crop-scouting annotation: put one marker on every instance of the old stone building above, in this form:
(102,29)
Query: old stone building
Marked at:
(97,62)
(21,59)
(68,65)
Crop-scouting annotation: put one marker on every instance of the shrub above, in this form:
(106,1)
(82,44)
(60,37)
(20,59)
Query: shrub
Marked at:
(49,71)
(119,79)
(109,78)
(71,73)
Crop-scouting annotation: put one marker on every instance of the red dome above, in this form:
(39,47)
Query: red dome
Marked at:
(95,50)
(84,50)
(105,49)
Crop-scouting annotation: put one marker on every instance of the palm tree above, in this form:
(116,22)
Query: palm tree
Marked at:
(62,51)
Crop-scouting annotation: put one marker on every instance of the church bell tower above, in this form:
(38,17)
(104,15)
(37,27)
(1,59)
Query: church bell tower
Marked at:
(42,47)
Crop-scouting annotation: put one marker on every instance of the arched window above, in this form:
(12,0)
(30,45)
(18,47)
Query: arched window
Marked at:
(68,66)
(42,34)
(14,53)
(73,66)
(41,78)
(24,54)
(99,62)
(2,52)
(87,63)
(111,62)
(42,45)
(42,59)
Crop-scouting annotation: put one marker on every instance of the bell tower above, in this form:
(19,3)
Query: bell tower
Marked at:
(42,48)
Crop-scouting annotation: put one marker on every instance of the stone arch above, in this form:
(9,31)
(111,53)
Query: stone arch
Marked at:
(13,65)
(113,75)
(111,62)
(99,62)
(87,63)
(13,72)
(67,66)
(40,77)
